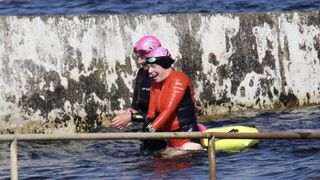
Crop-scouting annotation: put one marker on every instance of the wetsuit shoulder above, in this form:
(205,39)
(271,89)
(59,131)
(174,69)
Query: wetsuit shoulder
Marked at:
(179,78)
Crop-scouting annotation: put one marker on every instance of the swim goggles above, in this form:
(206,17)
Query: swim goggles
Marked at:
(140,53)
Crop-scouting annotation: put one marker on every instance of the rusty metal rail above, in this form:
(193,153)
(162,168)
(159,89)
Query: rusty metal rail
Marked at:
(139,136)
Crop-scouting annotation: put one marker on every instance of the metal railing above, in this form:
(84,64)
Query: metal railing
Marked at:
(142,136)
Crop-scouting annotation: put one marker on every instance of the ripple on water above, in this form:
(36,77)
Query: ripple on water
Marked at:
(271,159)
(66,7)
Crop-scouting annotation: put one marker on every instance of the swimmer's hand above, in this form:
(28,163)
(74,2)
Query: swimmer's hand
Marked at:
(121,121)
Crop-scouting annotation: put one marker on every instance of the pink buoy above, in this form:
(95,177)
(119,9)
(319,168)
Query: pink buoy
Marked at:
(202,127)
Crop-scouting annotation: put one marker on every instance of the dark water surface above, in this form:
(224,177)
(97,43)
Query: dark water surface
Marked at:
(67,7)
(271,159)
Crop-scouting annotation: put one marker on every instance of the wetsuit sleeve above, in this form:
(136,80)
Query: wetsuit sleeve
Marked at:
(176,89)
(134,103)
(152,106)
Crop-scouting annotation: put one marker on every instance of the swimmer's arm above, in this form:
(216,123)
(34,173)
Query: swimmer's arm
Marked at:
(177,89)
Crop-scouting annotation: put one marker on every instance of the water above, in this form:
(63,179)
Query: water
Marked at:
(271,159)
(67,7)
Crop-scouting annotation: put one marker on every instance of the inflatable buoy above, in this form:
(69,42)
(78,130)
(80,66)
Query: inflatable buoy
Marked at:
(232,144)
(202,127)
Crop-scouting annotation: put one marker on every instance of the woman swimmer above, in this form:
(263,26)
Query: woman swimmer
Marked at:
(172,105)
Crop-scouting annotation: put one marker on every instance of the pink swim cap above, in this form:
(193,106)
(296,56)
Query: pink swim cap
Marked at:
(159,52)
(147,43)
(160,56)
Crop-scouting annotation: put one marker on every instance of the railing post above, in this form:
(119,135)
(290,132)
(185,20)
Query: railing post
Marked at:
(212,158)
(14,160)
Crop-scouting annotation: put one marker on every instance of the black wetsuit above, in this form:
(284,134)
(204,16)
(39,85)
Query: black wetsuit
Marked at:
(140,102)
(141,93)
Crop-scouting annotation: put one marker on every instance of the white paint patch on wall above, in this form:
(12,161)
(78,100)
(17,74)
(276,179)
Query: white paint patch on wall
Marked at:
(114,43)
(35,40)
(28,39)
(212,35)
(82,40)
(266,40)
(251,83)
(263,34)
(302,69)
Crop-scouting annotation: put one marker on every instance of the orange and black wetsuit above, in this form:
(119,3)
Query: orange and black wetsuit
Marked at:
(140,102)
(172,107)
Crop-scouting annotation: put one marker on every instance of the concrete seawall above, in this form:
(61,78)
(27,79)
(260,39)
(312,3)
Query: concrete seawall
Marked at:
(68,73)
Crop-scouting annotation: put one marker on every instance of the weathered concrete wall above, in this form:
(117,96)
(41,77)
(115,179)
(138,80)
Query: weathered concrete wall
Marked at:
(74,70)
